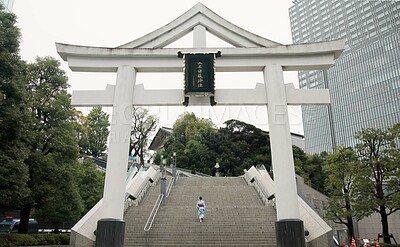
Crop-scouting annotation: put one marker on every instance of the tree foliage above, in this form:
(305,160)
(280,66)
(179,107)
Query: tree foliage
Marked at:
(9,38)
(341,166)
(300,158)
(52,145)
(14,116)
(90,183)
(80,123)
(199,146)
(366,179)
(186,141)
(56,195)
(143,125)
(378,177)
(97,131)
(38,138)
(242,146)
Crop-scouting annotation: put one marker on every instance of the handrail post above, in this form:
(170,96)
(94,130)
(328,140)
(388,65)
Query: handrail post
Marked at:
(174,170)
(163,183)
(174,175)
(163,190)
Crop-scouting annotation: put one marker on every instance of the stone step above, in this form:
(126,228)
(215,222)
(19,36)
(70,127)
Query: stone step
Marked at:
(211,180)
(198,241)
(203,244)
(235,216)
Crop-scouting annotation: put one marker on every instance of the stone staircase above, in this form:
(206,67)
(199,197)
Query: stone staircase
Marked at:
(235,216)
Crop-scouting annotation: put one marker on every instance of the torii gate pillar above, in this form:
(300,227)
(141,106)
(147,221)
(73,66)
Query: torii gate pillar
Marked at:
(118,152)
(289,229)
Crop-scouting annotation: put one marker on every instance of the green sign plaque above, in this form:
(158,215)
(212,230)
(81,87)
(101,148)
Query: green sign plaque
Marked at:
(199,75)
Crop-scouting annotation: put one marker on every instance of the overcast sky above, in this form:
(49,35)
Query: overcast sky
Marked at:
(112,23)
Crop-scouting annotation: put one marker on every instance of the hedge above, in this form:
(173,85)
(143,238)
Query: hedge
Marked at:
(11,240)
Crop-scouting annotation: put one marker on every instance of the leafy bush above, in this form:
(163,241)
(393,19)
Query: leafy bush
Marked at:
(11,240)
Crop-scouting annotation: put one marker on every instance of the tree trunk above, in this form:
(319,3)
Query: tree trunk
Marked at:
(130,148)
(24,219)
(385,224)
(350,227)
(349,219)
(141,157)
(56,228)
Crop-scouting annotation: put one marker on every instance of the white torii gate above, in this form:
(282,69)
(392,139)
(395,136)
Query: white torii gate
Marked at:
(250,53)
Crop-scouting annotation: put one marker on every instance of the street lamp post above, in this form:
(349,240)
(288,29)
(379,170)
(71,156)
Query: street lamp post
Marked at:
(161,164)
(174,169)
(163,181)
(217,169)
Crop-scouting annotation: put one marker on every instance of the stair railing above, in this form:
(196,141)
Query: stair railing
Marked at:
(153,213)
(171,182)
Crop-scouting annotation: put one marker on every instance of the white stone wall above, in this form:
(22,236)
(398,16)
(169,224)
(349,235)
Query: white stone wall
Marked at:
(370,227)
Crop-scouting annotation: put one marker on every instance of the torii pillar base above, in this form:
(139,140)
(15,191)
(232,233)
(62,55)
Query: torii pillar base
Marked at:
(110,232)
(290,233)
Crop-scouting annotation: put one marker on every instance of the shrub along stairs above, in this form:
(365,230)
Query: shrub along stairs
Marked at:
(235,216)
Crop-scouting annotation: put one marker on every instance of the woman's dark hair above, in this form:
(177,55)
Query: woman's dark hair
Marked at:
(201,198)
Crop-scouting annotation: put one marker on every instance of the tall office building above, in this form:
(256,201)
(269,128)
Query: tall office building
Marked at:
(364,83)
(8,4)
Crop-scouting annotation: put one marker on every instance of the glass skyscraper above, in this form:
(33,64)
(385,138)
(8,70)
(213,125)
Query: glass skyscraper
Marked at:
(8,4)
(364,83)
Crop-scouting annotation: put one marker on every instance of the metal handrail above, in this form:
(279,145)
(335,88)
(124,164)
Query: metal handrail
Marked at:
(171,182)
(197,173)
(153,213)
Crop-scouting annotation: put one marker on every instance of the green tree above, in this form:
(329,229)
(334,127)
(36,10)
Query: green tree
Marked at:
(237,146)
(97,131)
(241,146)
(143,125)
(378,179)
(199,145)
(198,157)
(188,126)
(313,167)
(9,39)
(341,166)
(53,145)
(57,198)
(186,136)
(310,168)
(80,123)
(300,158)
(90,182)
(14,117)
